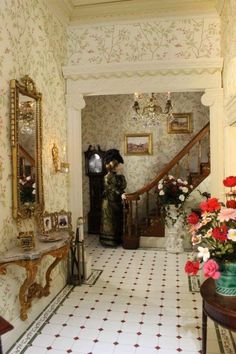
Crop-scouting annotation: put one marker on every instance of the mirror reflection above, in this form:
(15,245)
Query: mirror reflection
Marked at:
(27,150)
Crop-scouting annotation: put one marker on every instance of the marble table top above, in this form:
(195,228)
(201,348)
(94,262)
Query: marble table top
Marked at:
(42,246)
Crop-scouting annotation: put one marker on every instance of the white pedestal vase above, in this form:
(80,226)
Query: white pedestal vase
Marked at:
(174,232)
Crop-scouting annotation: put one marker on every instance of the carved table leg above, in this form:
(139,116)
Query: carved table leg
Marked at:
(31,268)
(204,330)
(59,255)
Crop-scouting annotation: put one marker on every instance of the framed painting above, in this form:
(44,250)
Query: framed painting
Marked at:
(180,124)
(138,144)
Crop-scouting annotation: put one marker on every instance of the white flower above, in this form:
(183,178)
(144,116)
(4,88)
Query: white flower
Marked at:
(179,180)
(203,253)
(174,182)
(160,186)
(34,185)
(28,178)
(22,182)
(171,177)
(232,234)
(33,191)
(185,182)
(181,197)
(185,189)
(161,193)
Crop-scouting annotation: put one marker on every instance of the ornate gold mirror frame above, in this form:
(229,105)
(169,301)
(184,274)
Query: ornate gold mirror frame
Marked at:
(26,143)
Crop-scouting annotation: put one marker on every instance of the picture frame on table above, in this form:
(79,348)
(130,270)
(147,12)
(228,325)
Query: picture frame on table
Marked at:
(63,220)
(47,222)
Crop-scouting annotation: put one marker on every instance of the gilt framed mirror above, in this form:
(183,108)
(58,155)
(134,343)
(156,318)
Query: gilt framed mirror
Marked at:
(26,143)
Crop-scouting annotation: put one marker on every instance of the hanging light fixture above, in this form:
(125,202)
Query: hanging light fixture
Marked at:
(149,111)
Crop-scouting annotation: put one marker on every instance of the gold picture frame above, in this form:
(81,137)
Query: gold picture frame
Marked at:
(181,124)
(138,144)
(63,220)
(47,222)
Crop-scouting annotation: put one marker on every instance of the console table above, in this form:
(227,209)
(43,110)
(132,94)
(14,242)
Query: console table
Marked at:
(221,309)
(30,261)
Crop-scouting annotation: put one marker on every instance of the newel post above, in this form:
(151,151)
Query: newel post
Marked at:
(213,98)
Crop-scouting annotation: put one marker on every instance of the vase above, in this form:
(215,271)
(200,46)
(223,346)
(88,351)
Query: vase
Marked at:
(226,284)
(173,232)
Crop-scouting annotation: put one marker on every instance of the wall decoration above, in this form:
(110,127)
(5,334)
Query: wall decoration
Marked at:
(180,124)
(138,144)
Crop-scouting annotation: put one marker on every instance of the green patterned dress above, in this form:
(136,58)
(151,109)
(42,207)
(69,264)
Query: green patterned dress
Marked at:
(112,209)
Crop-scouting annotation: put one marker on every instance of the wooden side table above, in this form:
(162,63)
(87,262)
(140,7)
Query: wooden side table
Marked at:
(221,309)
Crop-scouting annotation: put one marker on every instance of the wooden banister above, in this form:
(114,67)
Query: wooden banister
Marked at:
(202,133)
(26,155)
(131,214)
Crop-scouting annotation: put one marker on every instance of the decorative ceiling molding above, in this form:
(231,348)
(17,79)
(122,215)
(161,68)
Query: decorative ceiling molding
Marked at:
(63,9)
(163,68)
(103,11)
(220,6)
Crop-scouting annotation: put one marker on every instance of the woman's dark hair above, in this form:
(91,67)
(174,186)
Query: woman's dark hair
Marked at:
(113,154)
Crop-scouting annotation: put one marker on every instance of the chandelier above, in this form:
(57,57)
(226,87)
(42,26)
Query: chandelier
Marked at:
(26,117)
(147,110)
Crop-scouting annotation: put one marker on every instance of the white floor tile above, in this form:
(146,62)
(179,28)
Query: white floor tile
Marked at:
(141,304)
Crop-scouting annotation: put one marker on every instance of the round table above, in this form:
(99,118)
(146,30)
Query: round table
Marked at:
(221,309)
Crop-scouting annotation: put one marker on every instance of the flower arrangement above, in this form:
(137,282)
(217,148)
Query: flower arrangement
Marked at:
(27,190)
(213,234)
(172,191)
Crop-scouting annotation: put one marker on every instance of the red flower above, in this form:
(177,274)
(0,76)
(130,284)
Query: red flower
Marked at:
(192,267)
(220,233)
(230,181)
(210,205)
(231,203)
(193,218)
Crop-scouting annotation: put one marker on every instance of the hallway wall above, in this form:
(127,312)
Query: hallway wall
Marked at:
(33,42)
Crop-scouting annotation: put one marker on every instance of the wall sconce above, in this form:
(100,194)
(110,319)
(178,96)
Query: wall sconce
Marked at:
(59,166)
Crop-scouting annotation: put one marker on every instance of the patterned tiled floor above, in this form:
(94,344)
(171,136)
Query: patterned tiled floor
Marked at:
(141,304)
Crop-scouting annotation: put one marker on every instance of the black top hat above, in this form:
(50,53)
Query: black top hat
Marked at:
(113,154)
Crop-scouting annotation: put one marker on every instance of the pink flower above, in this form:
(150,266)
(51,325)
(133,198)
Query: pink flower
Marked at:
(210,269)
(226,214)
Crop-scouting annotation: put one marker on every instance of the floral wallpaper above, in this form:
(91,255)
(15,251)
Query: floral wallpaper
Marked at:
(32,41)
(140,41)
(106,120)
(228,45)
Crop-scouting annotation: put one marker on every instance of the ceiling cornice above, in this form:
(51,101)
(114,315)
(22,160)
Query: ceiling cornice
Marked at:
(63,9)
(220,6)
(133,9)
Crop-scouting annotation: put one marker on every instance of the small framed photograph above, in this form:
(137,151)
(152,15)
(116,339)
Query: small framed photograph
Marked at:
(180,124)
(47,222)
(63,220)
(138,144)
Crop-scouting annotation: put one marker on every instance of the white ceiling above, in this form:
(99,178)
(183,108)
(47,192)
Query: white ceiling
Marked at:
(91,11)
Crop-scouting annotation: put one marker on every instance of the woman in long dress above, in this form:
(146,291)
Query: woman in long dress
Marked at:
(112,208)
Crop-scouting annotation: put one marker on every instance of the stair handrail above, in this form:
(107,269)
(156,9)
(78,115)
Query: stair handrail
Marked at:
(164,171)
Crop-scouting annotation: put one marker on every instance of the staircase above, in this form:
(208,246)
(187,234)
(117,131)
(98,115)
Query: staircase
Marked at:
(141,211)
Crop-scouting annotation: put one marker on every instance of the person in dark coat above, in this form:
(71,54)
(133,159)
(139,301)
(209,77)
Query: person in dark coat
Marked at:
(112,208)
